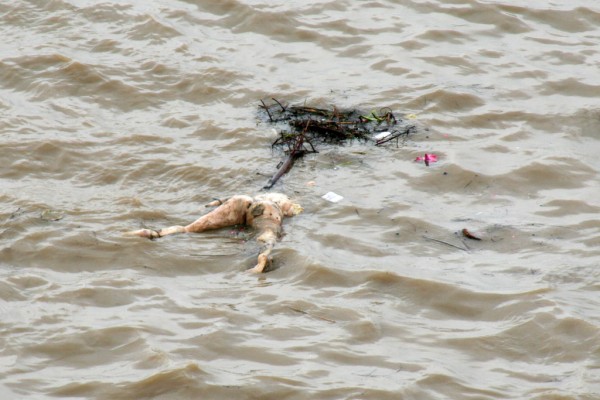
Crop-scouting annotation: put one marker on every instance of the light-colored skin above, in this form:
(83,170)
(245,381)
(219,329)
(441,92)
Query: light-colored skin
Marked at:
(264,213)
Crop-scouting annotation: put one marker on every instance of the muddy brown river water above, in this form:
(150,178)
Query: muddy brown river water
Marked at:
(117,115)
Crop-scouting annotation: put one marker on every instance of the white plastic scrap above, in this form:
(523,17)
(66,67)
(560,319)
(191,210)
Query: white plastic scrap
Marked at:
(332,197)
(381,135)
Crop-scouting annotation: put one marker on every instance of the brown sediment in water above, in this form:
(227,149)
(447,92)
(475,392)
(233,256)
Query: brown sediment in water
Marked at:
(122,114)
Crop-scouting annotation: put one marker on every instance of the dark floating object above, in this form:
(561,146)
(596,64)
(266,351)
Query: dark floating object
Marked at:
(469,235)
(296,149)
(309,125)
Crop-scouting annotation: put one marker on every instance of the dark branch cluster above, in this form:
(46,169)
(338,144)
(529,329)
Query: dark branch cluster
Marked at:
(309,125)
(332,126)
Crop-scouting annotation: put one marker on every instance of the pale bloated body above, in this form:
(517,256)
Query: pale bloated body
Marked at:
(264,213)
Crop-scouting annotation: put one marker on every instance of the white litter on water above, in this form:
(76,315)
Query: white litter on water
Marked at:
(332,197)
(381,135)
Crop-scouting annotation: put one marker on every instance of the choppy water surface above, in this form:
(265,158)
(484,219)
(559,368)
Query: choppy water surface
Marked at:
(122,114)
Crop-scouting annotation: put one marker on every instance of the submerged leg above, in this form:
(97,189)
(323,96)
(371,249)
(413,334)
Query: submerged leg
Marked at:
(268,238)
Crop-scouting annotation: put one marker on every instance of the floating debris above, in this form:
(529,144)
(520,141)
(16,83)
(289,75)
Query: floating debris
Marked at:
(52,215)
(469,235)
(308,126)
(427,158)
(332,197)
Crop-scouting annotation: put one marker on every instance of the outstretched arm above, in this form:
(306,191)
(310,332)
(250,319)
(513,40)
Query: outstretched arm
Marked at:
(152,234)
(232,212)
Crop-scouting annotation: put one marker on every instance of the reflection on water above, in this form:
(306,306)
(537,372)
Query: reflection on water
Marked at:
(127,114)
